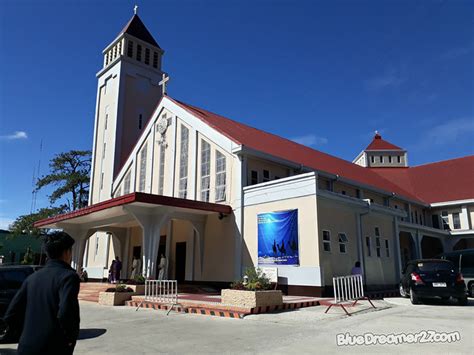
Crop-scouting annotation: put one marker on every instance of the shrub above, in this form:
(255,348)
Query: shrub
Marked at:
(137,280)
(253,280)
(119,288)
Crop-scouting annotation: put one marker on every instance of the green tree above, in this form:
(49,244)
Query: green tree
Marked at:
(24,224)
(70,175)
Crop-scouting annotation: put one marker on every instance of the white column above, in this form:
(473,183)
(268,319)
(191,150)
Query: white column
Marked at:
(199,227)
(151,221)
(418,239)
(397,255)
(464,218)
(80,237)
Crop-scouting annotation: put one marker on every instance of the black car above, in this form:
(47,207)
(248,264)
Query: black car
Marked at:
(11,279)
(432,278)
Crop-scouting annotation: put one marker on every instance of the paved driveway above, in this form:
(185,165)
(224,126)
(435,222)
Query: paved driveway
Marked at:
(121,330)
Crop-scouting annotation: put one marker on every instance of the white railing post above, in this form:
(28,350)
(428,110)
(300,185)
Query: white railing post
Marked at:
(347,288)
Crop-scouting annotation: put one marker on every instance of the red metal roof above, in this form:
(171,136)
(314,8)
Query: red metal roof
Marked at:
(138,197)
(286,149)
(380,144)
(448,180)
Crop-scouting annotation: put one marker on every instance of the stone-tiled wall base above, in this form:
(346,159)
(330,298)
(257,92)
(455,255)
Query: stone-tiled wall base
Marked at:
(114,298)
(251,299)
(218,312)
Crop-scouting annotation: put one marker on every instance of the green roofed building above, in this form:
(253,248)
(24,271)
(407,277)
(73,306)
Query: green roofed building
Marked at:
(14,247)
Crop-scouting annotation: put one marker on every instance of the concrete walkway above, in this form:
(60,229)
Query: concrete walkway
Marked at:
(122,330)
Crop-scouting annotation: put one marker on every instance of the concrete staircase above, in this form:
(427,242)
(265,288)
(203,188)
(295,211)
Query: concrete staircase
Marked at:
(89,291)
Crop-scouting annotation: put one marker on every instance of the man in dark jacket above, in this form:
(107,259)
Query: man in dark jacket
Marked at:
(46,306)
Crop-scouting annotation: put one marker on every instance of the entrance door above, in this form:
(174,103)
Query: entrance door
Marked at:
(180,265)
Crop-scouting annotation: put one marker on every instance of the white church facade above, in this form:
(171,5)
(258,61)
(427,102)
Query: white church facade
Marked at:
(174,179)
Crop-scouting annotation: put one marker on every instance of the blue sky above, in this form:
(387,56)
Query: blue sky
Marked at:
(324,73)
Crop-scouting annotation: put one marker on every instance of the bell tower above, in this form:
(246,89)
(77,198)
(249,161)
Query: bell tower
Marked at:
(127,93)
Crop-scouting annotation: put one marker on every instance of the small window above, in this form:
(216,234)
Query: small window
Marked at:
(328,185)
(155,60)
(139,52)
(205,170)
(147,56)
(399,159)
(266,175)
(377,232)
(416,217)
(220,176)
(456,221)
(183,163)
(140,121)
(387,248)
(381,159)
(343,243)
(327,241)
(143,161)
(368,244)
(377,246)
(372,159)
(130,49)
(126,184)
(445,219)
(390,159)
(253,177)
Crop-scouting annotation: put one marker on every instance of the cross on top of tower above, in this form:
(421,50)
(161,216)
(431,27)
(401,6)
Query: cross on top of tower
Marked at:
(163,82)
(135,9)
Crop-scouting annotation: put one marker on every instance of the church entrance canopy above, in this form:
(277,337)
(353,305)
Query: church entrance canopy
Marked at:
(150,212)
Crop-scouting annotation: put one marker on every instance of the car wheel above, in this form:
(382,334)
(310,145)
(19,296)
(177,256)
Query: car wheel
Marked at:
(402,291)
(413,297)
(462,301)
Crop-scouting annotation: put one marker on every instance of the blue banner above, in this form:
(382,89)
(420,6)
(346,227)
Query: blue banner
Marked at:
(278,238)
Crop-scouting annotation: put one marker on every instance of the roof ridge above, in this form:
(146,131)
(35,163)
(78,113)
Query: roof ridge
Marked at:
(443,161)
(203,112)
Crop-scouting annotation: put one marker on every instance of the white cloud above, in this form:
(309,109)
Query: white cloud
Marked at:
(447,132)
(15,135)
(5,222)
(391,78)
(310,140)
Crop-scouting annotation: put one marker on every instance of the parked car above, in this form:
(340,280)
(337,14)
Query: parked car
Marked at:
(11,279)
(432,278)
(464,260)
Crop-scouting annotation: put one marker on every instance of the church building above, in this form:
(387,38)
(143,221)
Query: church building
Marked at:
(215,196)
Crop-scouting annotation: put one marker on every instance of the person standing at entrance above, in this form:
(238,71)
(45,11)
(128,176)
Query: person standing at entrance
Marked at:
(118,269)
(46,309)
(136,267)
(162,268)
(356,270)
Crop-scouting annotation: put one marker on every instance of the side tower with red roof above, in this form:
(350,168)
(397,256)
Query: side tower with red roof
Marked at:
(382,154)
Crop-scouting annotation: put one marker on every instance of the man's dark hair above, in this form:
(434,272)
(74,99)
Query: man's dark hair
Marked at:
(56,243)
(357,264)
